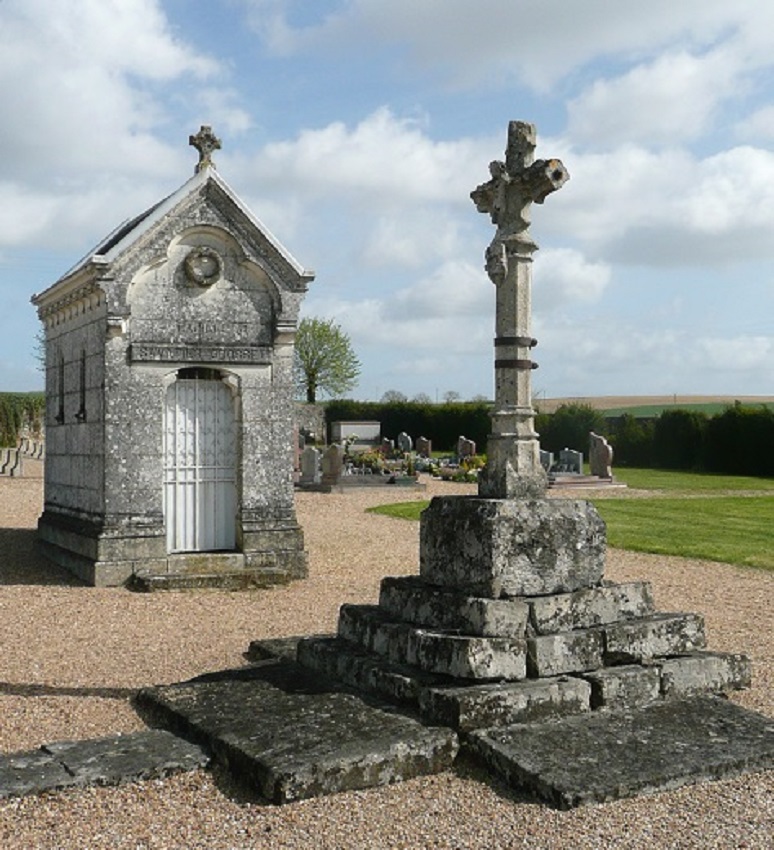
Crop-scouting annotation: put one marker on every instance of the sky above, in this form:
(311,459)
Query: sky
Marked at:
(355,131)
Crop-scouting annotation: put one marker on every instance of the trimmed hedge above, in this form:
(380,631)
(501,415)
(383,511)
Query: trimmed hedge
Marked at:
(15,410)
(735,442)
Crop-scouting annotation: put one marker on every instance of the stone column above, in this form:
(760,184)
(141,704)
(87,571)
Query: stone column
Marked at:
(513,453)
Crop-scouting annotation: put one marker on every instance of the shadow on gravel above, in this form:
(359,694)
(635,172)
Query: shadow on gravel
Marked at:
(17,689)
(21,562)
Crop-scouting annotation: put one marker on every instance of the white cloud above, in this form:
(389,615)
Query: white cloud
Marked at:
(758,125)
(563,276)
(735,354)
(635,206)
(672,99)
(536,41)
(82,93)
(382,156)
(412,237)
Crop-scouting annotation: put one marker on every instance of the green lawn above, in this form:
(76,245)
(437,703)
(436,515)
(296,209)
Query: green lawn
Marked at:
(735,530)
(690,482)
(699,518)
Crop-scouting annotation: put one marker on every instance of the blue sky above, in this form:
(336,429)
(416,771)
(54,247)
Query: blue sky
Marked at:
(356,129)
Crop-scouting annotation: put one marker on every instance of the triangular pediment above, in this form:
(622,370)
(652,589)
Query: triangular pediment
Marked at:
(206,192)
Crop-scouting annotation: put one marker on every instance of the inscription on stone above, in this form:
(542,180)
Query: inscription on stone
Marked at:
(163,353)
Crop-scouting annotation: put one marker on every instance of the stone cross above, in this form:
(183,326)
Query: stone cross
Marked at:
(513,467)
(205,141)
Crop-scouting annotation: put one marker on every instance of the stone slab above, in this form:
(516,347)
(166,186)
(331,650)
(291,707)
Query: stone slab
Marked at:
(511,547)
(290,734)
(365,671)
(444,653)
(113,760)
(634,641)
(596,606)
(705,672)
(611,755)
(624,687)
(467,657)
(501,704)
(566,652)
(412,600)
(284,648)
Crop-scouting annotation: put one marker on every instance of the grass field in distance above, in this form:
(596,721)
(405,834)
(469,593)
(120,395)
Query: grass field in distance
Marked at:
(709,517)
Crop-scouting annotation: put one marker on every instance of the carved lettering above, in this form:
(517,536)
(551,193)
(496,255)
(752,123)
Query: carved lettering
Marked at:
(169,353)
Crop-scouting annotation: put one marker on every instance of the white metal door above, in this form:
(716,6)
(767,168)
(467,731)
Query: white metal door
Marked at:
(199,466)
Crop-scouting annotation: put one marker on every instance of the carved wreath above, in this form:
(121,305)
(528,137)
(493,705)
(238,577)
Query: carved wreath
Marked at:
(203,266)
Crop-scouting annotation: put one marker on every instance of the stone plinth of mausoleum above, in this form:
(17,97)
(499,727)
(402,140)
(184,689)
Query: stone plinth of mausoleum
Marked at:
(169,397)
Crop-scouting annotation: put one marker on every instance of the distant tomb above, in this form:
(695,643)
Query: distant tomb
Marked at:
(169,432)
(359,436)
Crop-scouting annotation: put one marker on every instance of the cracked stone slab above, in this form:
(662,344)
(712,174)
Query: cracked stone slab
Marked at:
(290,734)
(101,761)
(611,755)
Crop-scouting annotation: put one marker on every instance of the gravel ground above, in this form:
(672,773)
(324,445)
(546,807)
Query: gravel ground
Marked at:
(71,656)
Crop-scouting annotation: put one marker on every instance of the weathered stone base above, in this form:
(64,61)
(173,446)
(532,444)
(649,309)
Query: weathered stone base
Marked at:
(110,557)
(289,735)
(606,756)
(502,547)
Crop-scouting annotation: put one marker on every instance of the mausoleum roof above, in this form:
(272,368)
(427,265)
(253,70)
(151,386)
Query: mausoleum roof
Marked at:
(132,230)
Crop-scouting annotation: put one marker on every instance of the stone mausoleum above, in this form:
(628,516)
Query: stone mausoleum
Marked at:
(169,397)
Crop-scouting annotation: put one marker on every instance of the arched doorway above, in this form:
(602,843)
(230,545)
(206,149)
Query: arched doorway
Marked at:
(200,459)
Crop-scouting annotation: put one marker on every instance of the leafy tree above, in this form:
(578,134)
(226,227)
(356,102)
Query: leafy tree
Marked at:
(324,359)
(394,397)
(569,427)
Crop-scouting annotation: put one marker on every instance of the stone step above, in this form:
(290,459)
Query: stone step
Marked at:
(412,600)
(243,579)
(369,673)
(700,673)
(504,703)
(289,734)
(632,641)
(116,760)
(658,635)
(584,609)
(444,653)
(606,756)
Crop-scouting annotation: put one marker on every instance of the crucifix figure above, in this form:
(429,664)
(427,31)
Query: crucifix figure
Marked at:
(205,141)
(513,467)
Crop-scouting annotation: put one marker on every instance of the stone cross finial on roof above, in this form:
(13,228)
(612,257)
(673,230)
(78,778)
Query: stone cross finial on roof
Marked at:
(205,141)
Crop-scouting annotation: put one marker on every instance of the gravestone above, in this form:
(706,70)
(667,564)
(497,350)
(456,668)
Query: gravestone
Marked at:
(405,443)
(424,447)
(570,462)
(387,446)
(465,448)
(310,466)
(169,432)
(546,460)
(600,456)
(332,465)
